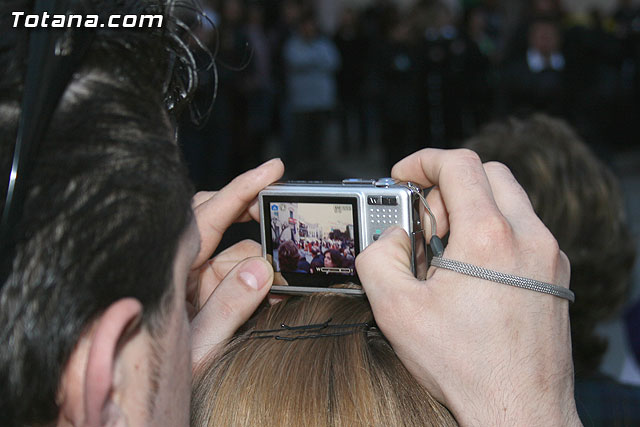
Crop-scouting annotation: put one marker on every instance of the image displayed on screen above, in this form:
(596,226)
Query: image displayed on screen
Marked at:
(312,238)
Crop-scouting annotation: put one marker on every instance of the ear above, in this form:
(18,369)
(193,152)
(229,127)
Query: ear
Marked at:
(89,377)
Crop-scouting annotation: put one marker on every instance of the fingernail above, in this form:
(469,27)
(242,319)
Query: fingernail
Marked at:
(255,274)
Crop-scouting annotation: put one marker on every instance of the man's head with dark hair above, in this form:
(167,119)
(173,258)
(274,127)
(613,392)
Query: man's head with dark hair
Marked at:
(107,206)
(579,200)
(288,256)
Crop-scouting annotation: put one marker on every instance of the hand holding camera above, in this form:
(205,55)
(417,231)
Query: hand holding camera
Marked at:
(487,351)
(493,354)
(224,291)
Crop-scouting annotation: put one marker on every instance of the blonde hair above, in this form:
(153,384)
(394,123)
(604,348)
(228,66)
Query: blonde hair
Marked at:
(354,379)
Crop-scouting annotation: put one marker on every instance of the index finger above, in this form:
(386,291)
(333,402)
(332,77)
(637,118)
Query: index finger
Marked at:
(460,177)
(225,207)
(252,213)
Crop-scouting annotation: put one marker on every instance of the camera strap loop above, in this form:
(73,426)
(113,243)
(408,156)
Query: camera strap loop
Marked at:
(482,273)
(505,279)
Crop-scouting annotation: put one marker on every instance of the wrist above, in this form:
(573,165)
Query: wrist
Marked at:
(529,415)
(518,405)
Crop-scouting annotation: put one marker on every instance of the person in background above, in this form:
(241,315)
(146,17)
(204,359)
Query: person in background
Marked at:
(259,87)
(535,81)
(311,62)
(332,258)
(517,40)
(396,82)
(348,256)
(288,256)
(282,29)
(354,49)
(318,260)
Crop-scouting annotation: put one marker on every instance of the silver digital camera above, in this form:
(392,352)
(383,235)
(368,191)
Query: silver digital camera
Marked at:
(312,230)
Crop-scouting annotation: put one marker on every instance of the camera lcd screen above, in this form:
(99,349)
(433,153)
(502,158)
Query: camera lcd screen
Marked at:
(312,241)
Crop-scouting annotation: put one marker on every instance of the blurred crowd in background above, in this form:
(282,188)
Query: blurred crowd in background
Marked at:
(401,78)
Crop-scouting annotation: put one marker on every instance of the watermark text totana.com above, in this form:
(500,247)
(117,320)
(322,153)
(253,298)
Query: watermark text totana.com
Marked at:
(46,20)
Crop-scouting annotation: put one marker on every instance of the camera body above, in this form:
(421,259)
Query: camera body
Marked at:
(312,230)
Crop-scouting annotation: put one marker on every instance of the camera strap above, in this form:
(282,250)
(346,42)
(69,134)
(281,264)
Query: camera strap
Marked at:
(483,273)
(505,279)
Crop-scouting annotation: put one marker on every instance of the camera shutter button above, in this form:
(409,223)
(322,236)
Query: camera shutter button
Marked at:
(385,182)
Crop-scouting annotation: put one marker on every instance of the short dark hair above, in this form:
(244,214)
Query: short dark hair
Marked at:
(579,199)
(107,202)
(288,256)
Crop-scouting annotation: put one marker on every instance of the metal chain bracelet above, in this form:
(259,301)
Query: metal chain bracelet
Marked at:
(505,279)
